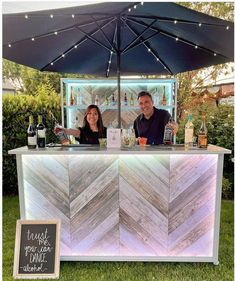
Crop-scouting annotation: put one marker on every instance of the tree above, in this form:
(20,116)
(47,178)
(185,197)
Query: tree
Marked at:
(26,80)
(190,82)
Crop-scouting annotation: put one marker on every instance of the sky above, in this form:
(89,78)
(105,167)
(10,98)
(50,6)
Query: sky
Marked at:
(29,6)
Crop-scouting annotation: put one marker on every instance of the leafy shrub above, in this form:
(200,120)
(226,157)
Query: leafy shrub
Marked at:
(220,125)
(227,191)
(15,117)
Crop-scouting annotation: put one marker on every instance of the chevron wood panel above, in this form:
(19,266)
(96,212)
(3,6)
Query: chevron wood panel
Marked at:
(192,203)
(126,205)
(39,207)
(94,205)
(46,184)
(144,192)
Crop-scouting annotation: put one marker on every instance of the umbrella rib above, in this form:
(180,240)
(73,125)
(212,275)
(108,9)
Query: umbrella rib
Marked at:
(139,43)
(168,34)
(58,31)
(138,37)
(106,38)
(154,54)
(93,39)
(74,46)
(177,19)
(111,53)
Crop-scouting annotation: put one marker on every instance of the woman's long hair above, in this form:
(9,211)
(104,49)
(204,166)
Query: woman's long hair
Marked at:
(100,125)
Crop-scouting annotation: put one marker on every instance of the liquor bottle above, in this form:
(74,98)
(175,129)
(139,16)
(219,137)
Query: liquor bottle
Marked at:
(71,98)
(202,134)
(164,97)
(131,100)
(106,100)
(156,98)
(188,136)
(125,100)
(32,135)
(96,100)
(168,133)
(41,133)
(79,98)
(113,100)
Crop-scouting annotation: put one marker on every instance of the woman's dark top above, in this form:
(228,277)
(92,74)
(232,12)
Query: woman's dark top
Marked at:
(87,136)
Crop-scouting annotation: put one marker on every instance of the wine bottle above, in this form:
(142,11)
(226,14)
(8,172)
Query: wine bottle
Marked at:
(113,100)
(164,97)
(41,133)
(32,136)
(188,136)
(202,135)
(168,133)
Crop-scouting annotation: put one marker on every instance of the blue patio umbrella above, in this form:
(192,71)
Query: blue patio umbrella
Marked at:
(111,38)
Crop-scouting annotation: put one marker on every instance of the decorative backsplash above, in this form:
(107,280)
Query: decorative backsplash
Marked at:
(81,93)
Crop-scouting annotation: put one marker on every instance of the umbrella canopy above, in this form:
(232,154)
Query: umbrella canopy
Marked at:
(131,38)
(118,38)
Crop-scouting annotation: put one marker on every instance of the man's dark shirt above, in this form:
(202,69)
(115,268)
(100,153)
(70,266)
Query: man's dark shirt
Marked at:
(152,128)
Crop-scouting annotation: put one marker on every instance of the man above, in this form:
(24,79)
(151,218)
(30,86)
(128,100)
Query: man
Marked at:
(152,121)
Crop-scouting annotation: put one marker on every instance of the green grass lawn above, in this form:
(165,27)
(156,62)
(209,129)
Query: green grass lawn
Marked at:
(129,271)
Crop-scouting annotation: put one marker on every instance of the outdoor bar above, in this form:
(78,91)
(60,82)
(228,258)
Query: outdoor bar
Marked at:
(157,203)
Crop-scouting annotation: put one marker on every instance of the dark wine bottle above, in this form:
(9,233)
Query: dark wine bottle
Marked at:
(32,136)
(41,133)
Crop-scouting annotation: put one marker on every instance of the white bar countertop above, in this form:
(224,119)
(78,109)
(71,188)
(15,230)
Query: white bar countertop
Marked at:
(96,149)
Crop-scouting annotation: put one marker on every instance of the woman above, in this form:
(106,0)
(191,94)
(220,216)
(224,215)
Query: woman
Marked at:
(92,129)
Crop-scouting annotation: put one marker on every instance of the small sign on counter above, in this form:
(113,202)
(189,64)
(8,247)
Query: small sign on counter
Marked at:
(113,138)
(37,249)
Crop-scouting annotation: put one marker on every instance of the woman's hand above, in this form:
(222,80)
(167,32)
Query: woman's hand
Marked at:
(58,129)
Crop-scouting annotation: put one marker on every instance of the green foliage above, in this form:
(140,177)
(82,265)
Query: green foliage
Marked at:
(16,111)
(223,10)
(227,189)
(28,79)
(220,125)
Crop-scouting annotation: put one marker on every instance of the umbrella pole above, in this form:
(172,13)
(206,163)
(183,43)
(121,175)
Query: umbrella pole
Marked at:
(119,71)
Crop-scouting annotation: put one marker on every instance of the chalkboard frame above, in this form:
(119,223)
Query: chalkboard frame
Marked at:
(55,274)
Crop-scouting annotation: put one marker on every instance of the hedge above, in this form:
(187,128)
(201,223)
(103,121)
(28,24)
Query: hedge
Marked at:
(15,117)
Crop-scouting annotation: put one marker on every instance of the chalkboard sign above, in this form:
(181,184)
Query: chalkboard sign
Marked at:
(37,247)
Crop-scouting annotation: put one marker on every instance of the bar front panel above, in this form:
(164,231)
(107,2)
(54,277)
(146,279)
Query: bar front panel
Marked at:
(125,205)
